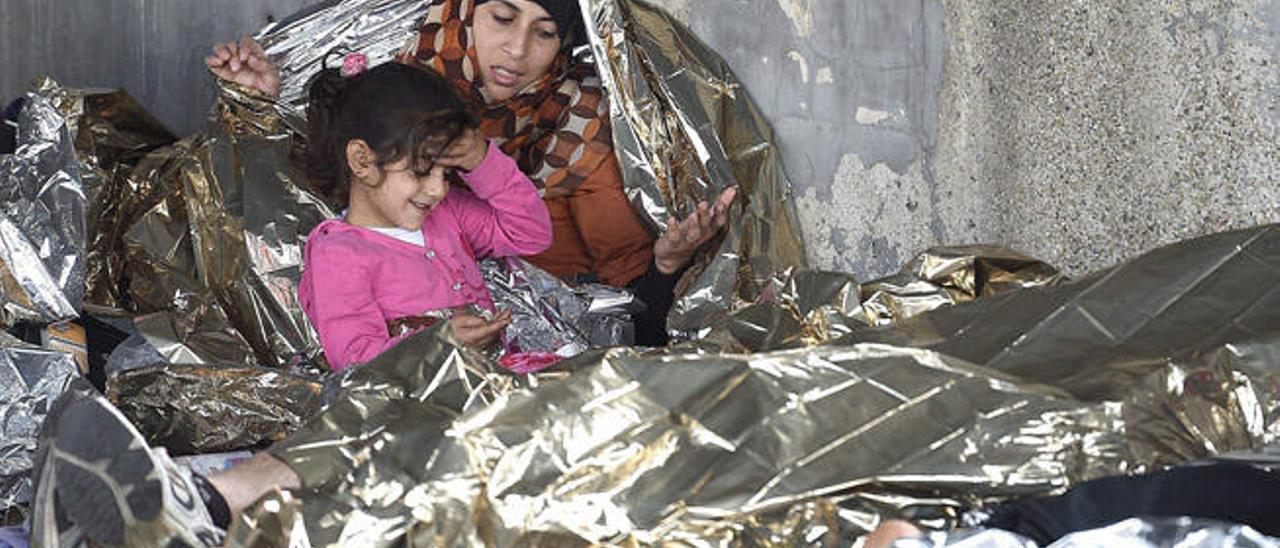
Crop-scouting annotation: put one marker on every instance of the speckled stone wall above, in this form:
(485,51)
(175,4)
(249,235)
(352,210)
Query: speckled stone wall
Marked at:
(1082,133)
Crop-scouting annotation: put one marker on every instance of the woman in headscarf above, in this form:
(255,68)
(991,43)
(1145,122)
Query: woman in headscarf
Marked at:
(511,59)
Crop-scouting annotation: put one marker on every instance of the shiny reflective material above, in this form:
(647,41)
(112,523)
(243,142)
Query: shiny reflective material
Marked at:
(949,275)
(42,218)
(821,443)
(799,308)
(550,316)
(31,379)
(213,252)
(213,409)
(110,133)
(684,130)
(377,28)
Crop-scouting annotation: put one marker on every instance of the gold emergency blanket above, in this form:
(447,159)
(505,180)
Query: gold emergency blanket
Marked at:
(1171,357)
(201,240)
(213,409)
(209,232)
(111,132)
(798,308)
(794,420)
(685,129)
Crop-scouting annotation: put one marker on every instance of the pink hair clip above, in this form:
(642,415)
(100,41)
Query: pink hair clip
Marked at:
(353,64)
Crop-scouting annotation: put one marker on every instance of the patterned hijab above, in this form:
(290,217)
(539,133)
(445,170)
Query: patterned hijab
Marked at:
(557,128)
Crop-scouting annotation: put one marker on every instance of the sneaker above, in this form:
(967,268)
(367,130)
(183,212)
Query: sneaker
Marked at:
(99,479)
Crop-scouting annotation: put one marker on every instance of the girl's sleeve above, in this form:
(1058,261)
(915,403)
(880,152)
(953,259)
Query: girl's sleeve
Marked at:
(337,294)
(503,215)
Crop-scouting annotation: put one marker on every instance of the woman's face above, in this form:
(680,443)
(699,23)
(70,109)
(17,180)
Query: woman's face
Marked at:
(516,42)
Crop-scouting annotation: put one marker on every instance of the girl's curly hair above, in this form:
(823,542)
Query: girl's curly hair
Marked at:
(396,109)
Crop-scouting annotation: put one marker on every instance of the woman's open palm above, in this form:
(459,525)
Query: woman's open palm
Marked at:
(682,238)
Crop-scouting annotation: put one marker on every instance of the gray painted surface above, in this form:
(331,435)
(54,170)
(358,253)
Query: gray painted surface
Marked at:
(152,48)
(1082,133)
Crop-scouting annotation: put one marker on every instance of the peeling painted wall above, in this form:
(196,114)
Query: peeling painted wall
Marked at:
(1082,133)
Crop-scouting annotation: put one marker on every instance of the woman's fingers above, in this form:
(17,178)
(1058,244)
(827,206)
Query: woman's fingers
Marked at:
(723,202)
(233,56)
(218,56)
(674,233)
(248,48)
(683,237)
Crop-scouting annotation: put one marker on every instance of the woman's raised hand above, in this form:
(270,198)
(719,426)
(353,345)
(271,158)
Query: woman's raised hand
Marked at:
(677,245)
(466,152)
(477,332)
(246,64)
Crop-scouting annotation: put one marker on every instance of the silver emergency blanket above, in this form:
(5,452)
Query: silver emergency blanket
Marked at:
(551,316)
(214,250)
(31,379)
(42,219)
(298,44)
(1131,533)
(685,129)
(811,445)
(213,409)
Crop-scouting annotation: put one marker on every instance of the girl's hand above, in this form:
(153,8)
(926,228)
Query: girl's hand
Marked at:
(682,238)
(478,332)
(246,64)
(465,152)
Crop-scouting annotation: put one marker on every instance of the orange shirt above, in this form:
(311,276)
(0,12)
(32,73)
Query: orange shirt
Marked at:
(595,230)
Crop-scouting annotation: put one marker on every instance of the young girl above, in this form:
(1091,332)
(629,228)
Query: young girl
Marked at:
(386,143)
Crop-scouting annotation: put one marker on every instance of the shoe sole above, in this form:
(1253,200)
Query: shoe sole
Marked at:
(107,480)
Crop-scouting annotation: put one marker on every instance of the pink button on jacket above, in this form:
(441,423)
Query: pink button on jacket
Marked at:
(355,279)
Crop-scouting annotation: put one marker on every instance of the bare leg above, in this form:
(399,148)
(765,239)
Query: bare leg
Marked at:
(245,483)
(889,531)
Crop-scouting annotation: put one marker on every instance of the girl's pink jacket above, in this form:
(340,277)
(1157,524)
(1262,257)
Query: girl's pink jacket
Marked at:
(355,279)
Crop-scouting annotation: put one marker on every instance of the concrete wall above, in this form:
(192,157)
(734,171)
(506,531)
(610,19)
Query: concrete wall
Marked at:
(152,48)
(1079,132)
(1082,133)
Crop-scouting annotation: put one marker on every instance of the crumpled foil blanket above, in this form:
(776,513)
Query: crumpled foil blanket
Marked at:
(31,379)
(686,129)
(214,409)
(1027,392)
(42,218)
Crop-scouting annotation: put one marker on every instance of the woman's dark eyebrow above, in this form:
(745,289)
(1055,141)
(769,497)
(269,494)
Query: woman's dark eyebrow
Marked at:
(517,9)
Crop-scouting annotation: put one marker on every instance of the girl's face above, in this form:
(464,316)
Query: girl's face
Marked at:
(516,42)
(403,198)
